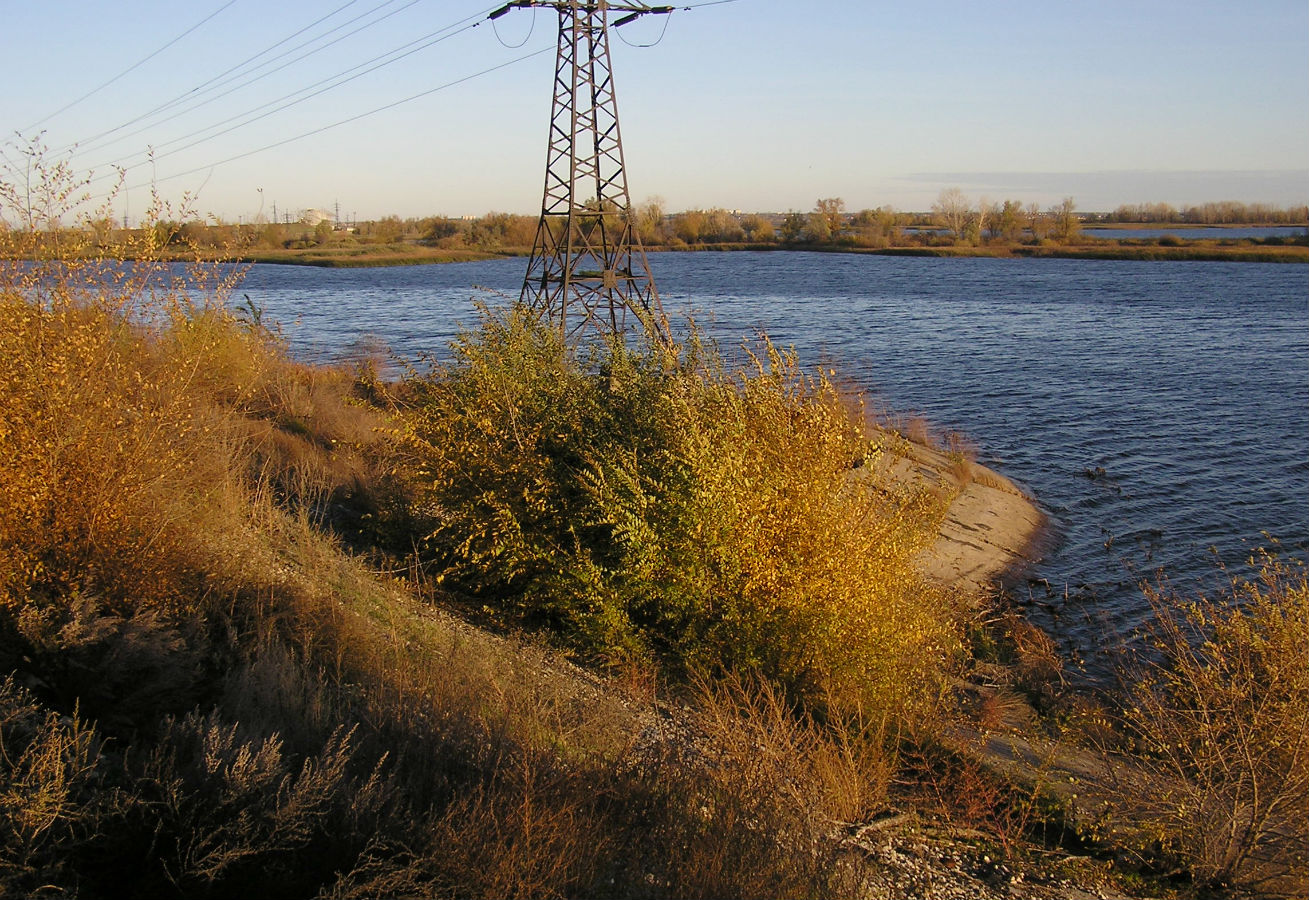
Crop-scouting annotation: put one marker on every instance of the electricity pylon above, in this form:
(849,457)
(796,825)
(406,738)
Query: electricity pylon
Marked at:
(588,269)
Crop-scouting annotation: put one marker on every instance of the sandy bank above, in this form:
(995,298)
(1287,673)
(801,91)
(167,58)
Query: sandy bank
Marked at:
(992,530)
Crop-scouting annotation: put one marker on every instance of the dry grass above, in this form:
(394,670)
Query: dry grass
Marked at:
(962,454)
(917,430)
(399,254)
(262,715)
(962,787)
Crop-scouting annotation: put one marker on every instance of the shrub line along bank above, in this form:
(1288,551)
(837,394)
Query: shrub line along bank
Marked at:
(1148,252)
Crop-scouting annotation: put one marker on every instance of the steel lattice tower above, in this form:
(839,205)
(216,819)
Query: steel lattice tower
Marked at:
(588,269)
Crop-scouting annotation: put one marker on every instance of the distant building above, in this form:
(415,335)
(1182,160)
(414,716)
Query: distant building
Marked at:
(312,217)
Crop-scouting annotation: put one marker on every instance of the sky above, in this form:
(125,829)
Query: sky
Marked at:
(758,105)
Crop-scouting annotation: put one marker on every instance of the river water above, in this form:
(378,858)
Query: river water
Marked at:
(1158,411)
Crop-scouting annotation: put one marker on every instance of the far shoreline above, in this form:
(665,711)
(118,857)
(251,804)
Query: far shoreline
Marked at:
(1199,251)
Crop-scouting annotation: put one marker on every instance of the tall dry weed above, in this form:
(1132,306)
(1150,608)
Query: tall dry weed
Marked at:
(108,447)
(47,777)
(142,420)
(1215,719)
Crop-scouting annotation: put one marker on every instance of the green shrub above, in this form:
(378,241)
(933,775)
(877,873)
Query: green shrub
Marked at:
(645,506)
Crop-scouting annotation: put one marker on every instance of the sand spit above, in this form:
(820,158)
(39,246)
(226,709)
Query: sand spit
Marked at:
(992,530)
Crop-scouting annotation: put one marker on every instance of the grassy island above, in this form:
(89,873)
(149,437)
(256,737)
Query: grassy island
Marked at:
(346,253)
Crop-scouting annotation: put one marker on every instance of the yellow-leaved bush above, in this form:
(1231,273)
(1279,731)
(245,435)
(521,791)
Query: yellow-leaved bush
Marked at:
(128,398)
(108,450)
(658,505)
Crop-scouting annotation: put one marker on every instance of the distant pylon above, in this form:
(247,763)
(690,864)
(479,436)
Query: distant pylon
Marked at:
(588,269)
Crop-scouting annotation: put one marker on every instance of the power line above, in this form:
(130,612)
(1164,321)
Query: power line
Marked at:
(129,69)
(200,87)
(308,92)
(355,118)
(266,63)
(382,60)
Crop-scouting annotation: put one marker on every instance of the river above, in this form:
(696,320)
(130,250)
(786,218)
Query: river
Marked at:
(1158,411)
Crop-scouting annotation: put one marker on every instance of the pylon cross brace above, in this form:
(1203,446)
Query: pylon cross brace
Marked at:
(588,271)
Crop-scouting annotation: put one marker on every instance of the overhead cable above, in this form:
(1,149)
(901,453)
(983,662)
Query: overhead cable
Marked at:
(662,31)
(294,98)
(266,63)
(136,65)
(355,118)
(204,84)
(496,28)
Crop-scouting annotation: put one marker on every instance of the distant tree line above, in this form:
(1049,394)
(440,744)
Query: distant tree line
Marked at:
(1223,213)
(491,232)
(954,220)
(1012,221)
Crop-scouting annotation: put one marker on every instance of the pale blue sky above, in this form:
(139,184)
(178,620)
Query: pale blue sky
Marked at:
(753,104)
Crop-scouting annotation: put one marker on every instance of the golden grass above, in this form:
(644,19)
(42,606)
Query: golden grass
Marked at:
(283,721)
